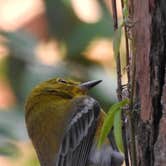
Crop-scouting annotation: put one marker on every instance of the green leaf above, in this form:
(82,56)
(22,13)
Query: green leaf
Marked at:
(109,120)
(118,130)
(125,9)
(117,41)
(122,103)
(125,12)
(107,125)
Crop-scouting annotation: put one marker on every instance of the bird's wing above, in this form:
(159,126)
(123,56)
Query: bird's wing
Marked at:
(105,156)
(78,138)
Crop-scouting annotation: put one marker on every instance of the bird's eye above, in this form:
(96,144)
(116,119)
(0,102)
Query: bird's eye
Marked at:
(61,80)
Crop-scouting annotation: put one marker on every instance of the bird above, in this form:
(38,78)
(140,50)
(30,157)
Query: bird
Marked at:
(64,124)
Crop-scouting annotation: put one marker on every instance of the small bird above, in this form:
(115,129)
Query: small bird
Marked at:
(64,124)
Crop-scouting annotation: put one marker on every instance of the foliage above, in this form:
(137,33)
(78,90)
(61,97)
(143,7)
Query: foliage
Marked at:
(113,120)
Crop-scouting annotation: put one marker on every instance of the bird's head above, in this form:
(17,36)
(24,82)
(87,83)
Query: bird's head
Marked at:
(58,88)
(64,88)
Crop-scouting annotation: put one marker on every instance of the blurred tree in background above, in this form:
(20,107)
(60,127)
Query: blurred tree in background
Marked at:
(44,39)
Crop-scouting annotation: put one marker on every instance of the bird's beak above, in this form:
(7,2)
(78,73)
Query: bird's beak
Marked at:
(90,84)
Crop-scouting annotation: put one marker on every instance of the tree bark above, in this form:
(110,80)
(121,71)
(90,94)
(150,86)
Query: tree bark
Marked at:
(149,36)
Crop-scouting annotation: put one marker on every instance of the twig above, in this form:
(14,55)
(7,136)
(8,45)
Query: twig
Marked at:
(132,96)
(128,89)
(118,61)
(131,120)
(119,82)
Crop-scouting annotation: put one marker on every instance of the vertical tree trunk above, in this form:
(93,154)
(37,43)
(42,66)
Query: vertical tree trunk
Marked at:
(149,35)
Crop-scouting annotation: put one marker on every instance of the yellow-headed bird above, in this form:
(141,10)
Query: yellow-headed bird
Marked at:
(64,123)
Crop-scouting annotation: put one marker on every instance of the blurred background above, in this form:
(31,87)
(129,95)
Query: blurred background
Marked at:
(44,39)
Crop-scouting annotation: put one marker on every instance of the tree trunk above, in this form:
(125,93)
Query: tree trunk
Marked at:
(149,36)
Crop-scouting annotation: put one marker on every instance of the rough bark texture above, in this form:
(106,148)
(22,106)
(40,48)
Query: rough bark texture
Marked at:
(160,145)
(149,35)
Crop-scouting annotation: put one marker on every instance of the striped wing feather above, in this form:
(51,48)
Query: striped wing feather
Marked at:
(78,138)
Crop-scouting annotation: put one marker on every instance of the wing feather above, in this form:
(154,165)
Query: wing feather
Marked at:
(78,138)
